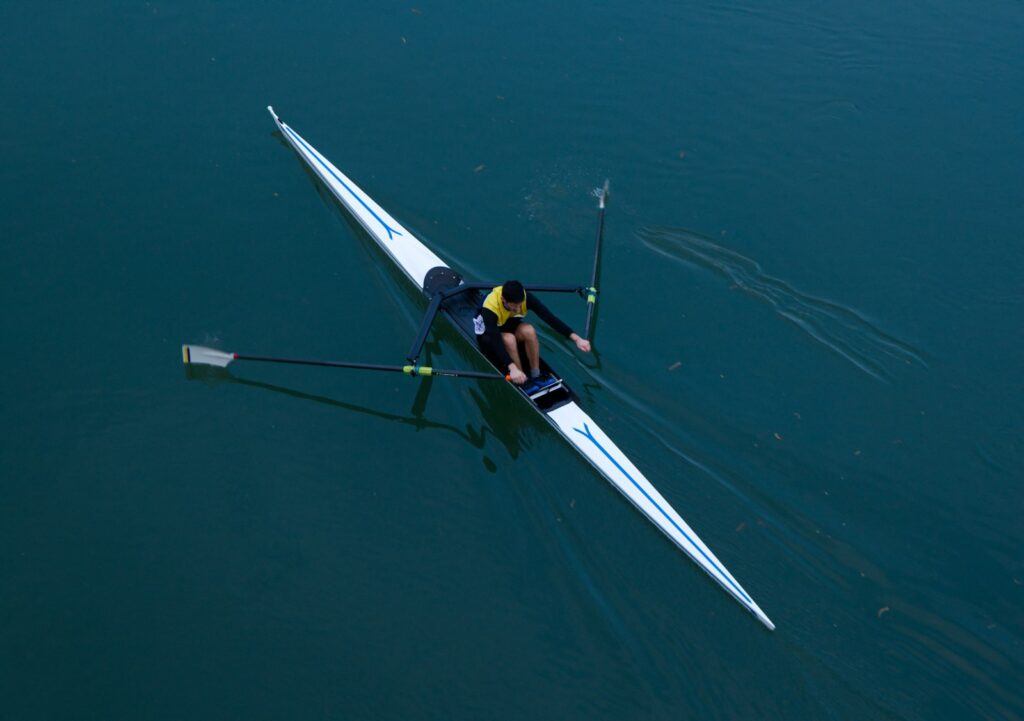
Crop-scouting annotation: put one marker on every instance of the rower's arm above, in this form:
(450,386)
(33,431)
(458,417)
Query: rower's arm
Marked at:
(556,323)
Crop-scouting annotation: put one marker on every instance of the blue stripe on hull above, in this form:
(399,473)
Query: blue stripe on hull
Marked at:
(585,432)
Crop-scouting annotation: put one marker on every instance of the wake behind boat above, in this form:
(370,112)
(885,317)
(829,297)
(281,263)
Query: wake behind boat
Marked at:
(449,293)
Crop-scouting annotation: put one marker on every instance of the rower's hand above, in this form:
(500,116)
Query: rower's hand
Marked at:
(516,375)
(582,343)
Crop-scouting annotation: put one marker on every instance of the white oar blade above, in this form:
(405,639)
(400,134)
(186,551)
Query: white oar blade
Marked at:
(198,355)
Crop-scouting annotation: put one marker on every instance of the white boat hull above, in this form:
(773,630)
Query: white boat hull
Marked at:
(587,437)
(416,261)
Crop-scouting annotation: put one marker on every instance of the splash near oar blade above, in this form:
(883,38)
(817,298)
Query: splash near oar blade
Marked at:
(198,355)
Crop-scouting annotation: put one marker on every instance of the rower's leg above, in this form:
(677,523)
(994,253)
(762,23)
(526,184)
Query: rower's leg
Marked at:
(512,346)
(527,335)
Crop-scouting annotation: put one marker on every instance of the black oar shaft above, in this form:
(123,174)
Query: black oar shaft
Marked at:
(592,290)
(406,369)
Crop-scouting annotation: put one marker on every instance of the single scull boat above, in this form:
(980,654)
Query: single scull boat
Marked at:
(557,403)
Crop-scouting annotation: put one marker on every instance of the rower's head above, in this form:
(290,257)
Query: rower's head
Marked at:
(512,295)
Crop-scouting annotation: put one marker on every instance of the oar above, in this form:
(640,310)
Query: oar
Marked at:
(592,290)
(198,355)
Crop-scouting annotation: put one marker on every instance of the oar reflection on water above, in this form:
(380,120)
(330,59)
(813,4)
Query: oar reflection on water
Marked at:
(506,434)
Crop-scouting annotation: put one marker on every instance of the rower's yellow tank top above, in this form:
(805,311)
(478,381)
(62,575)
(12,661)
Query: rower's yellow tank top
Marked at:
(493,303)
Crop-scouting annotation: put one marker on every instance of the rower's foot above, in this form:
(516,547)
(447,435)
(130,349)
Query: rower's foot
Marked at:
(541,382)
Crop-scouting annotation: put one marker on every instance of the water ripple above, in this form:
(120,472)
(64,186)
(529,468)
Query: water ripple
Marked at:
(839,328)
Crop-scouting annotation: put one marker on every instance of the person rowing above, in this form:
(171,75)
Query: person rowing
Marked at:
(500,328)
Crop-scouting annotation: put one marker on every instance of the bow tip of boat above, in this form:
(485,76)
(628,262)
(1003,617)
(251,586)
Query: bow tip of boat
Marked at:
(759,614)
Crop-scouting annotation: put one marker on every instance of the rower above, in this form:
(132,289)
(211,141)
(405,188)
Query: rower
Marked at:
(500,328)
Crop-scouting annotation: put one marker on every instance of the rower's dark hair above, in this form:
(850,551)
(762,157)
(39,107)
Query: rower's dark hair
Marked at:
(513,292)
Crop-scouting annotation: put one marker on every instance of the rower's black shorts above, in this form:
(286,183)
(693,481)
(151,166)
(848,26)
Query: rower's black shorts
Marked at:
(486,343)
(510,325)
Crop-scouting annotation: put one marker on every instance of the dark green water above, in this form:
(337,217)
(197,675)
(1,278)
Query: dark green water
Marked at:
(809,339)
